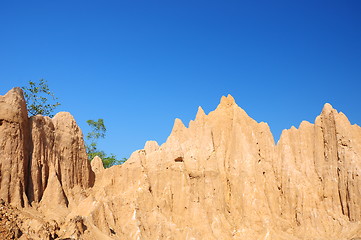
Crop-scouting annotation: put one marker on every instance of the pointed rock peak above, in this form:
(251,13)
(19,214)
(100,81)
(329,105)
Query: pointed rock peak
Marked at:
(63,115)
(16,90)
(327,108)
(227,101)
(97,164)
(200,113)
(178,125)
(13,106)
(14,97)
(64,119)
(151,146)
(304,124)
(231,98)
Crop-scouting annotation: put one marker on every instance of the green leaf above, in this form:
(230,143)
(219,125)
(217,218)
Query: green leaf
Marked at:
(39,99)
(98,131)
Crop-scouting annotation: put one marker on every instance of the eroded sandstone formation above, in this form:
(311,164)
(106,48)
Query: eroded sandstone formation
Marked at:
(222,177)
(14,153)
(37,152)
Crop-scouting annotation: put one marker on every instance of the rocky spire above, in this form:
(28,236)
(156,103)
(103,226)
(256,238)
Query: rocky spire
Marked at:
(221,178)
(31,149)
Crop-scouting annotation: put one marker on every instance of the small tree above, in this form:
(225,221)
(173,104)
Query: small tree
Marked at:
(39,98)
(98,131)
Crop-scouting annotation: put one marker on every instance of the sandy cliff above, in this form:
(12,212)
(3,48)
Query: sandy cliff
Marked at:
(222,177)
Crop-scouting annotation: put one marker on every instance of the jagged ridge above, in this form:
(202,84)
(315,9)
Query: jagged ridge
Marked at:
(223,177)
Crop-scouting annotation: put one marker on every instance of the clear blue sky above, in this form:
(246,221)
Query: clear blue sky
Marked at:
(141,64)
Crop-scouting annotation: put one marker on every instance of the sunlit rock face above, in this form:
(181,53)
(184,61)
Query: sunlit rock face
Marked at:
(14,147)
(31,148)
(222,177)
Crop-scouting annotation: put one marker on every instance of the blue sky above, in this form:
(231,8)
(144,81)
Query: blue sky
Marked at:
(141,64)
